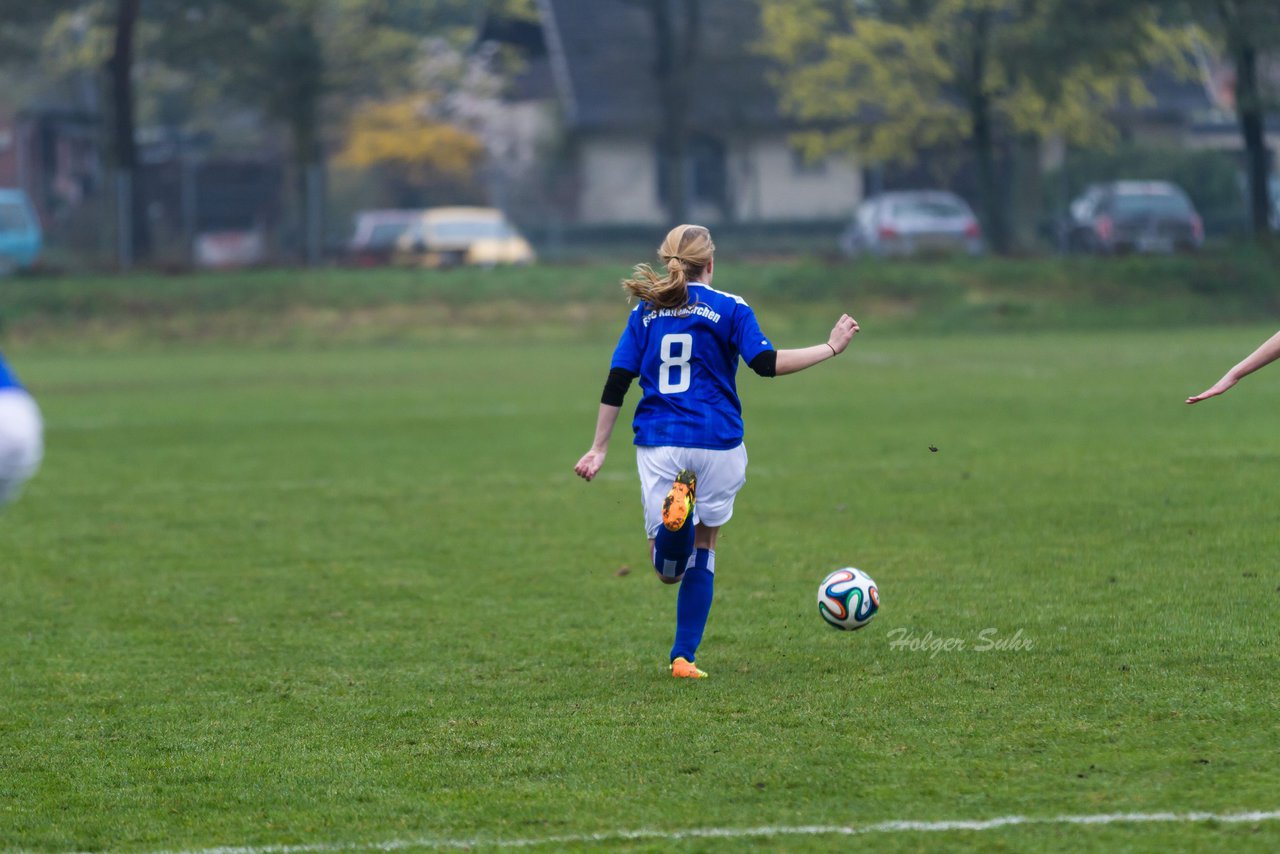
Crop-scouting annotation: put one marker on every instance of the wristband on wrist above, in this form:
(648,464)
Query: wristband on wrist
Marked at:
(832,349)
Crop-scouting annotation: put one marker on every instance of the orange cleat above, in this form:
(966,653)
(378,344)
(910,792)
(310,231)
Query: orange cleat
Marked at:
(677,508)
(682,668)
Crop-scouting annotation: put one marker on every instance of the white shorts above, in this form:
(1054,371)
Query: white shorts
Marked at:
(720,475)
(21,441)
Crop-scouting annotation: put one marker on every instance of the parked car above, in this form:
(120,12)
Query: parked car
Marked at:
(913,223)
(373,241)
(21,238)
(230,249)
(446,237)
(1134,216)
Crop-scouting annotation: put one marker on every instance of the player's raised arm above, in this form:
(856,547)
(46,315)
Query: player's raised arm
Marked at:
(1267,353)
(791,361)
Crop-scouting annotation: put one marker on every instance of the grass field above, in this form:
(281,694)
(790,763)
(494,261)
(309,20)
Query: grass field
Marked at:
(284,307)
(353,596)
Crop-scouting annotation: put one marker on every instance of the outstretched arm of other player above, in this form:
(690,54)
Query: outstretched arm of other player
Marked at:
(1260,358)
(593,459)
(791,361)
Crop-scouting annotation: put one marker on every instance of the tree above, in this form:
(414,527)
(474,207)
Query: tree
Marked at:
(416,154)
(304,65)
(124,138)
(111,37)
(1250,29)
(22,22)
(889,79)
(465,88)
(677,26)
(308,63)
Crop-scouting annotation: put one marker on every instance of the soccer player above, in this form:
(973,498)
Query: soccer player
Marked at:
(21,435)
(1266,353)
(683,339)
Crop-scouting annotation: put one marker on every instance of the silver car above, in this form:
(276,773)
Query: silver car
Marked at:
(908,223)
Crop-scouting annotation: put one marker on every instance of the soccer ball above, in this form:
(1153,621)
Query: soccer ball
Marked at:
(848,599)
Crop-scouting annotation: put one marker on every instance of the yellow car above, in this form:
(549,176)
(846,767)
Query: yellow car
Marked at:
(447,237)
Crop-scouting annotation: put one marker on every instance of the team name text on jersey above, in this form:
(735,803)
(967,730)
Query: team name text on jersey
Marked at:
(698,309)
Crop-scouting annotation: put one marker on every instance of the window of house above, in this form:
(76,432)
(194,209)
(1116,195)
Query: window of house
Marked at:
(705,172)
(802,164)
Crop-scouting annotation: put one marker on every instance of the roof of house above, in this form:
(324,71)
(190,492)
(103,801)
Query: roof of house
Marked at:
(604,54)
(1173,96)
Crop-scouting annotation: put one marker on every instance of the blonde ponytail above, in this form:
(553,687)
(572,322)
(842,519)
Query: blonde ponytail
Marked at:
(686,251)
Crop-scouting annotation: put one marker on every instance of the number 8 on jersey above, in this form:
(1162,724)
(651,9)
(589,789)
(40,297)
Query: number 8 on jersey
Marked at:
(677,352)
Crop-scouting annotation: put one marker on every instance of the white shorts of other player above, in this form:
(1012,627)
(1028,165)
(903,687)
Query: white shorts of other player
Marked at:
(21,441)
(720,475)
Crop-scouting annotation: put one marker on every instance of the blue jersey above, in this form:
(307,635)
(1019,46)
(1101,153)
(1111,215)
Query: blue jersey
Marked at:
(7,379)
(687,360)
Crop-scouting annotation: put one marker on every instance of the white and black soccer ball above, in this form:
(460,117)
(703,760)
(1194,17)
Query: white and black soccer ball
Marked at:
(848,599)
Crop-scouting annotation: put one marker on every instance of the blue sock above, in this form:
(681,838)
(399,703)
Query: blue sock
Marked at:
(693,604)
(671,550)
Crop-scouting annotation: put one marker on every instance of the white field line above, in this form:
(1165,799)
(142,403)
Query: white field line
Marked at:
(746,832)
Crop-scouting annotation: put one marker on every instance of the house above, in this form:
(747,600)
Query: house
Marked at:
(739,168)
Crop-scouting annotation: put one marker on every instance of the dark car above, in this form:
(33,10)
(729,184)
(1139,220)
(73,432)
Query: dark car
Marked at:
(1134,216)
(376,232)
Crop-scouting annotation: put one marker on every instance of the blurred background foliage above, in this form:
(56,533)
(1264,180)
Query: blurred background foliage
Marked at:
(343,105)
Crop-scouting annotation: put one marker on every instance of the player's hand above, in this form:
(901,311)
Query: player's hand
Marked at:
(842,333)
(590,464)
(1218,388)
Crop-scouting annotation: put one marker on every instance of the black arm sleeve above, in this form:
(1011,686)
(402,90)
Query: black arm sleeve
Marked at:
(765,364)
(615,388)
